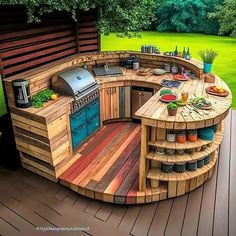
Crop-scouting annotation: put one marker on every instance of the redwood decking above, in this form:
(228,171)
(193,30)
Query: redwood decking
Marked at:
(108,167)
(27,199)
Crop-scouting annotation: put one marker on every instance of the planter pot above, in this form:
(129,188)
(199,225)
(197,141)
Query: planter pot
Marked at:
(180,168)
(200,163)
(171,136)
(207,68)
(172,112)
(181,137)
(180,152)
(207,160)
(209,78)
(170,152)
(192,135)
(167,167)
(191,166)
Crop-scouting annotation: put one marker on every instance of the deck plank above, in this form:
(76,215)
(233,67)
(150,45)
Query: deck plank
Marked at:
(6,228)
(175,222)
(232,187)
(129,218)
(221,220)
(117,215)
(191,218)
(144,219)
(160,218)
(105,211)
(205,224)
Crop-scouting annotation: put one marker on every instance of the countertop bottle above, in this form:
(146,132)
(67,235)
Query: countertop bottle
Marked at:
(187,55)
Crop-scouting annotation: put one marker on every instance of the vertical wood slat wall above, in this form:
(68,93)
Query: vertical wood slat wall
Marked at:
(25,46)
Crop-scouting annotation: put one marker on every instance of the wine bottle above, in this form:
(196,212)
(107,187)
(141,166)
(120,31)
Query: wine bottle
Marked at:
(184,53)
(176,51)
(187,57)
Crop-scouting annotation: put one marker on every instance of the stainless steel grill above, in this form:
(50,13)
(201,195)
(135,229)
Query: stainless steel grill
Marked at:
(79,83)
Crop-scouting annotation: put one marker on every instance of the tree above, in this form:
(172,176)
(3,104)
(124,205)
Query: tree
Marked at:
(226,16)
(186,16)
(125,17)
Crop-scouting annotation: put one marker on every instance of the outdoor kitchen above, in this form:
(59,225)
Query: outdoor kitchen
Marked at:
(111,93)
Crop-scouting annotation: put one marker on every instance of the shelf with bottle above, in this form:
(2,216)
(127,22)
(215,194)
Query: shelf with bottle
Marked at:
(193,141)
(155,173)
(181,155)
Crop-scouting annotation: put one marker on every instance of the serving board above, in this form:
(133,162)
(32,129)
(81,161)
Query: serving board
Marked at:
(225,94)
(203,108)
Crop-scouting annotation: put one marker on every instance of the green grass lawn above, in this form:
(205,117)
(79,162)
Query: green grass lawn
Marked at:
(224,65)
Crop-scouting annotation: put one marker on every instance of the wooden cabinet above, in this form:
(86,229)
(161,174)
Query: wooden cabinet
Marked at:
(115,103)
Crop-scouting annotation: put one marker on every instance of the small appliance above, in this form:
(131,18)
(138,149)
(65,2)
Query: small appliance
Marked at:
(22,93)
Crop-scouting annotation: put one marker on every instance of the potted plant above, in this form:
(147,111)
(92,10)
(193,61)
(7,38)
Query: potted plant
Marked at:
(208,56)
(172,109)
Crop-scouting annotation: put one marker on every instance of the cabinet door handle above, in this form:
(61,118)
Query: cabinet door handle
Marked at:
(140,94)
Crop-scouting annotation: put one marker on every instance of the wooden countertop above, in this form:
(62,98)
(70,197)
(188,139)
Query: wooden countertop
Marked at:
(50,111)
(154,112)
(130,75)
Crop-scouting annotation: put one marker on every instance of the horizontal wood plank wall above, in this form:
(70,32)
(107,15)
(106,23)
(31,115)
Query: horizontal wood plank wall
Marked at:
(26,46)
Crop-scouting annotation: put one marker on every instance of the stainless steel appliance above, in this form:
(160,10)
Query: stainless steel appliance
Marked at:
(110,71)
(85,118)
(22,93)
(140,95)
(79,83)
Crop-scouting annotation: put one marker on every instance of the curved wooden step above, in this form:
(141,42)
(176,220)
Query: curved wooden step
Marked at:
(188,145)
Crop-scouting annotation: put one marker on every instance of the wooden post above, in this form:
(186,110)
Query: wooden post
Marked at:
(142,165)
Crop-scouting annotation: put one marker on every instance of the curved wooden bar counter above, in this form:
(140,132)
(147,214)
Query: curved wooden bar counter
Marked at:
(119,163)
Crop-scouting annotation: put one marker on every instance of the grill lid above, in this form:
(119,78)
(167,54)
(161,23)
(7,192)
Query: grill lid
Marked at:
(73,81)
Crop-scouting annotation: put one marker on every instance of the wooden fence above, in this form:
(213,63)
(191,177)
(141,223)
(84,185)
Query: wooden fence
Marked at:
(25,46)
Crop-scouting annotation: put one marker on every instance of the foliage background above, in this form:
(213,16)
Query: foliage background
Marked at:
(187,16)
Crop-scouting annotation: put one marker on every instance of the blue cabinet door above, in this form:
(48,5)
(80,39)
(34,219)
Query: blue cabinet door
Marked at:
(79,134)
(93,124)
(77,119)
(92,109)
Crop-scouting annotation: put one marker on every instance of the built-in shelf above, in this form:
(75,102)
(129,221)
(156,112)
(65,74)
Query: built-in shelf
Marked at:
(188,145)
(182,158)
(157,174)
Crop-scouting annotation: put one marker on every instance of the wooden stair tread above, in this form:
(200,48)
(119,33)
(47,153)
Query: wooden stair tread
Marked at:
(157,174)
(188,145)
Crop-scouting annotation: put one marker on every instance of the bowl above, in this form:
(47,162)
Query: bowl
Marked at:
(159,71)
(169,98)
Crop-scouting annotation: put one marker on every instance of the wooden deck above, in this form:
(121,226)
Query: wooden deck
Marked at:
(109,165)
(28,200)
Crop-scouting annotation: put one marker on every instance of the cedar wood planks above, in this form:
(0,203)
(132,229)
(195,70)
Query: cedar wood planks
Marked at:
(84,161)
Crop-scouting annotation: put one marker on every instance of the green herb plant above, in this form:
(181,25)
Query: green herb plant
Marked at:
(165,91)
(41,97)
(208,55)
(172,105)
